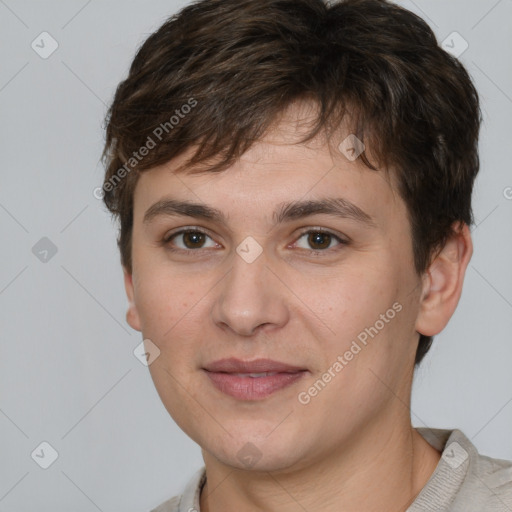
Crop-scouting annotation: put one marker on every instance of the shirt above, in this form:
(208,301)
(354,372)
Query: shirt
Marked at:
(463,481)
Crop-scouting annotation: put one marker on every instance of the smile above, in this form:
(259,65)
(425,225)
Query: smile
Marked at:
(252,380)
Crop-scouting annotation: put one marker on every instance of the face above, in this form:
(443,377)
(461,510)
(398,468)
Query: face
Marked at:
(330,298)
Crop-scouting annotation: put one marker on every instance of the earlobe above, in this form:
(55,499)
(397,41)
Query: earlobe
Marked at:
(442,286)
(132,315)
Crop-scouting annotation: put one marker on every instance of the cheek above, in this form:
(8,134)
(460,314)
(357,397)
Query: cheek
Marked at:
(177,393)
(350,298)
(367,317)
(161,302)
(175,311)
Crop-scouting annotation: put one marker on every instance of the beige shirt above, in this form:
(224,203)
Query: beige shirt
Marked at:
(463,481)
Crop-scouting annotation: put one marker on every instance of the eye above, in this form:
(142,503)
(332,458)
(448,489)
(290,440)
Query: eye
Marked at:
(319,240)
(191,239)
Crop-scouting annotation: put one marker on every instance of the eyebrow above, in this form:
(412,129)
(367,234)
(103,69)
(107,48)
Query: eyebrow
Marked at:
(336,207)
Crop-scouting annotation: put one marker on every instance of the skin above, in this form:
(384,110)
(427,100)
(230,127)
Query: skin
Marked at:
(352,447)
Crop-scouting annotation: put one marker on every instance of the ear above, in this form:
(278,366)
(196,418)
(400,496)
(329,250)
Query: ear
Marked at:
(442,283)
(132,315)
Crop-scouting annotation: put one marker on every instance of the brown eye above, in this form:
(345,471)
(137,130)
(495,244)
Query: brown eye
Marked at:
(320,241)
(193,239)
(187,240)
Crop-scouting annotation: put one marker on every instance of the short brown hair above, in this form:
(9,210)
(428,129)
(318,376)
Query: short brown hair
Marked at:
(217,74)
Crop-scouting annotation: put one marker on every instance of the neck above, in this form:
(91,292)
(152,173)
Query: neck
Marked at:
(376,470)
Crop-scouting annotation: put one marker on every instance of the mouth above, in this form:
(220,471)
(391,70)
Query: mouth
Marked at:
(252,380)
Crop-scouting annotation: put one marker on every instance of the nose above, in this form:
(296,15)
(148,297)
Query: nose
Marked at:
(250,297)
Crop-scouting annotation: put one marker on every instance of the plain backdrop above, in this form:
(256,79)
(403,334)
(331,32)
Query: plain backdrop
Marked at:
(68,375)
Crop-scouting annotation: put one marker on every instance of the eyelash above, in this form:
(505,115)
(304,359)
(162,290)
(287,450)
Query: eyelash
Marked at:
(166,240)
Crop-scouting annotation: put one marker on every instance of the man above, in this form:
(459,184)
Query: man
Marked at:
(293,182)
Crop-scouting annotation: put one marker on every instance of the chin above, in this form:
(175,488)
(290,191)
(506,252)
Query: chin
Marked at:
(256,454)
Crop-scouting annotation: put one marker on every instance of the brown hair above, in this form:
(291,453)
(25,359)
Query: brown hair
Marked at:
(217,74)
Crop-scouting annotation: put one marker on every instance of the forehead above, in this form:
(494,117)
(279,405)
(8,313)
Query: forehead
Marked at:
(273,189)
(276,170)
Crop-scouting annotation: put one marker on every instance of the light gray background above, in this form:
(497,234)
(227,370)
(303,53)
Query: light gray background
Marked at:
(68,375)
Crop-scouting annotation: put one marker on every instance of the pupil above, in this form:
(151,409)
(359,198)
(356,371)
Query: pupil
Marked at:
(317,238)
(194,236)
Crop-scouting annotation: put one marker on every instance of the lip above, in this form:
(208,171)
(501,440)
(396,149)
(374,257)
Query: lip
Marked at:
(223,375)
(234,365)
